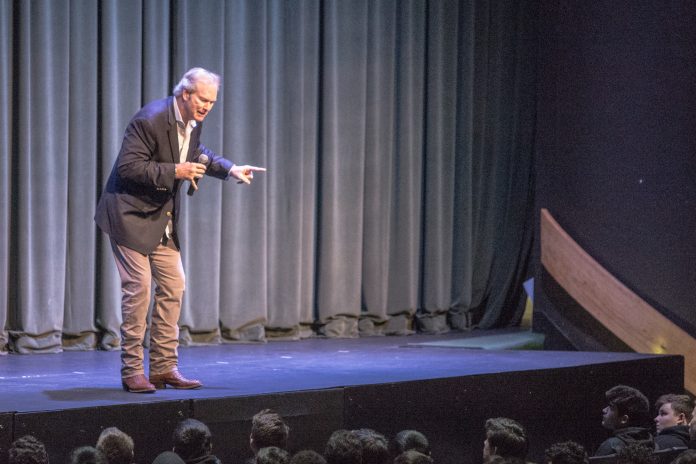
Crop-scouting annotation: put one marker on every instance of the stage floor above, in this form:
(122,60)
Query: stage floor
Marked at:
(70,380)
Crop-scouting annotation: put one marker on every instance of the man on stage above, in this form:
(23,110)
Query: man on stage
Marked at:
(139,210)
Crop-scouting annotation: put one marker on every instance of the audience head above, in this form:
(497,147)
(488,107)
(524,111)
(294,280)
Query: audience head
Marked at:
(413,457)
(87,455)
(567,452)
(168,457)
(375,448)
(268,429)
(673,410)
(192,439)
(307,457)
(627,407)
(635,453)
(687,457)
(409,440)
(116,445)
(27,450)
(343,447)
(272,455)
(505,437)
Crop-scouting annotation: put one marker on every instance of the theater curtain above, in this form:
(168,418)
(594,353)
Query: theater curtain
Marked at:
(397,136)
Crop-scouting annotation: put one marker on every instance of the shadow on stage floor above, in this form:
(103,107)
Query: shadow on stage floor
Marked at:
(320,385)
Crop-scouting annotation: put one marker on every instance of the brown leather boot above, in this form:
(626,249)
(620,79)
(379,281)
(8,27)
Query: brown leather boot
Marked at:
(137,384)
(175,380)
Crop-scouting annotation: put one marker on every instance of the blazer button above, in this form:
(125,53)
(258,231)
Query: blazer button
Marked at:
(169,213)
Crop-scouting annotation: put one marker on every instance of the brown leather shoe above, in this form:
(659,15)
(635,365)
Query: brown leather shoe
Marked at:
(137,384)
(175,380)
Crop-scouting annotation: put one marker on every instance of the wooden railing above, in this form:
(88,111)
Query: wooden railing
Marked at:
(619,309)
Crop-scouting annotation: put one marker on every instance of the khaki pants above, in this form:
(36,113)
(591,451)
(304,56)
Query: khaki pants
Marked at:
(137,272)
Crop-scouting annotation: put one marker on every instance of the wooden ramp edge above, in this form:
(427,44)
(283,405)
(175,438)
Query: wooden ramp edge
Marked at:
(619,309)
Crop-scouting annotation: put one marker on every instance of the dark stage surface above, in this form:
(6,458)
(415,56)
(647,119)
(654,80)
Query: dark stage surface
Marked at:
(87,379)
(321,385)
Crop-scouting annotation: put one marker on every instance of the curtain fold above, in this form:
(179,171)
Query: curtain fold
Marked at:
(397,137)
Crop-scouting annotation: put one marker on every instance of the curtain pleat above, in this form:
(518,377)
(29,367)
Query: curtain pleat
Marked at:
(397,137)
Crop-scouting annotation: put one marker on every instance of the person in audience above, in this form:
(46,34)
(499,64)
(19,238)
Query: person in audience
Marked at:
(495,459)
(505,437)
(567,452)
(193,442)
(168,457)
(272,455)
(687,457)
(672,420)
(87,455)
(635,453)
(307,457)
(268,429)
(414,457)
(375,448)
(409,440)
(692,430)
(627,416)
(116,445)
(343,447)
(27,450)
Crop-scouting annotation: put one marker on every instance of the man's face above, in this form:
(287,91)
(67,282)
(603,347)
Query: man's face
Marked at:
(198,104)
(692,426)
(666,417)
(610,417)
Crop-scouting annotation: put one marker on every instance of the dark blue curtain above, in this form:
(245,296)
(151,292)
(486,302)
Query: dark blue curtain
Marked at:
(397,137)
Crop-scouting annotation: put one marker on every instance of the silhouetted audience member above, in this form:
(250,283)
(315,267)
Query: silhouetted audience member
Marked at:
(307,457)
(635,453)
(87,455)
(687,457)
(505,437)
(375,447)
(692,430)
(27,450)
(272,455)
(409,440)
(567,452)
(626,416)
(116,445)
(268,429)
(343,447)
(193,442)
(413,457)
(672,420)
(495,459)
(168,457)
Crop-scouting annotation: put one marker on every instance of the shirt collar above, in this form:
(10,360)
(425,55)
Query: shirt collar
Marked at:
(177,115)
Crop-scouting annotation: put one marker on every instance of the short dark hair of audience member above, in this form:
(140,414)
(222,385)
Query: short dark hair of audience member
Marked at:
(505,437)
(635,453)
(375,447)
(676,409)
(413,457)
(343,447)
(116,445)
(687,457)
(627,407)
(495,459)
(307,457)
(87,455)
(27,450)
(409,440)
(192,440)
(272,455)
(268,429)
(567,452)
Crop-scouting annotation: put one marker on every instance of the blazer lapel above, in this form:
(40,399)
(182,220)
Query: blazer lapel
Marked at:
(172,133)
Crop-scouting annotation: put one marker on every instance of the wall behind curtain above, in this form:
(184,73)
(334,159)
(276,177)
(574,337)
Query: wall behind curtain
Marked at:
(397,137)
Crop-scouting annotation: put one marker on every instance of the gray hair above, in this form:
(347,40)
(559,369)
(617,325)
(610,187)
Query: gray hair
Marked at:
(192,77)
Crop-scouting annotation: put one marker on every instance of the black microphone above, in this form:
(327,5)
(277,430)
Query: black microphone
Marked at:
(203,159)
